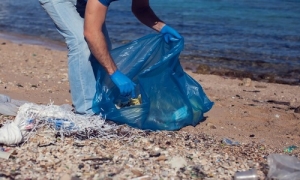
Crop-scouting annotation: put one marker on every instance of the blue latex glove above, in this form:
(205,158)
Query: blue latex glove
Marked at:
(125,85)
(170,34)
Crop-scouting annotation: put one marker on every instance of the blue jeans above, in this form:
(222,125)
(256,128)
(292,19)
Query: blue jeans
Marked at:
(68,16)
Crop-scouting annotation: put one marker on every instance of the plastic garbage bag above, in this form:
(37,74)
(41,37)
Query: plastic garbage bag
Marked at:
(9,106)
(283,167)
(4,98)
(8,109)
(170,98)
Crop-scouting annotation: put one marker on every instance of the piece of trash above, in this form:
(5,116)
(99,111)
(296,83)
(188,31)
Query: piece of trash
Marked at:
(136,101)
(246,175)
(177,162)
(230,142)
(62,124)
(5,152)
(181,113)
(45,144)
(126,102)
(279,102)
(30,124)
(4,155)
(290,149)
(283,167)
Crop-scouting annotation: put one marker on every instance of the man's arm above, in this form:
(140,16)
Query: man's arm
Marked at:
(95,14)
(144,13)
(142,10)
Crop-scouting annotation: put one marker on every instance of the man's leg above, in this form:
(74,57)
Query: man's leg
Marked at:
(68,19)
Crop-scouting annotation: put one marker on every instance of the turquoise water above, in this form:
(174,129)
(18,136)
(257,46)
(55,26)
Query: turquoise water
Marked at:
(260,37)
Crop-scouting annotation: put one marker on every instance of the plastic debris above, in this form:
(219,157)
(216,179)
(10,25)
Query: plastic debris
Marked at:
(9,106)
(246,175)
(177,162)
(126,102)
(290,149)
(230,142)
(31,117)
(62,124)
(5,152)
(283,167)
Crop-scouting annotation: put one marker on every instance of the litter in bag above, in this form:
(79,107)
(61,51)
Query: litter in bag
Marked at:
(170,98)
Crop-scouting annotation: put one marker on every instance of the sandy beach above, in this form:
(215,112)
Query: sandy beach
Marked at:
(245,111)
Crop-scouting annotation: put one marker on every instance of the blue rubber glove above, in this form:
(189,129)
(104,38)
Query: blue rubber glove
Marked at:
(125,85)
(170,34)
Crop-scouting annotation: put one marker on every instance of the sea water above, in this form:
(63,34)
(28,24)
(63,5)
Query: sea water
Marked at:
(257,36)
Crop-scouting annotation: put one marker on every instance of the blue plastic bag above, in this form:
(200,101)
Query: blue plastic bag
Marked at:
(171,99)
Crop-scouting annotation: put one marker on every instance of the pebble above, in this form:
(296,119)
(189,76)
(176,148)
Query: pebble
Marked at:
(161,158)
(247,82)
(137,172)
(297,110)
(158,155)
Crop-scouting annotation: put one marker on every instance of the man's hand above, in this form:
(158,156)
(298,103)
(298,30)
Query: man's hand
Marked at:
(125,85)
(170,34)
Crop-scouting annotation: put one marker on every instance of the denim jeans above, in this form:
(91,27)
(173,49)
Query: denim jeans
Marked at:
(68,17)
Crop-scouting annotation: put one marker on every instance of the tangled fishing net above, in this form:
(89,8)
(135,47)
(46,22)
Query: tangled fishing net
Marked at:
(60,119)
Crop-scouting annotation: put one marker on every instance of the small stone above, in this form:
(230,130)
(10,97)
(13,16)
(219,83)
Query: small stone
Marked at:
(203,161)
(137,172)
(211,126)
(220,170)
(164,173)
(297,110)
(154,154)
(203,69)
(65,177)
(19,85)
(80,166)
(161,158)
(177,162)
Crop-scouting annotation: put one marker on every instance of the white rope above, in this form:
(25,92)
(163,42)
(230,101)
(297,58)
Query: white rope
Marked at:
(31,117)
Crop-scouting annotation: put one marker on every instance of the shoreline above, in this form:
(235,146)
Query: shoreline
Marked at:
(189,62)
(32,40)
(240,74)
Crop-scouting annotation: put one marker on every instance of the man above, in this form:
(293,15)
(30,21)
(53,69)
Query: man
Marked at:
(82,24)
